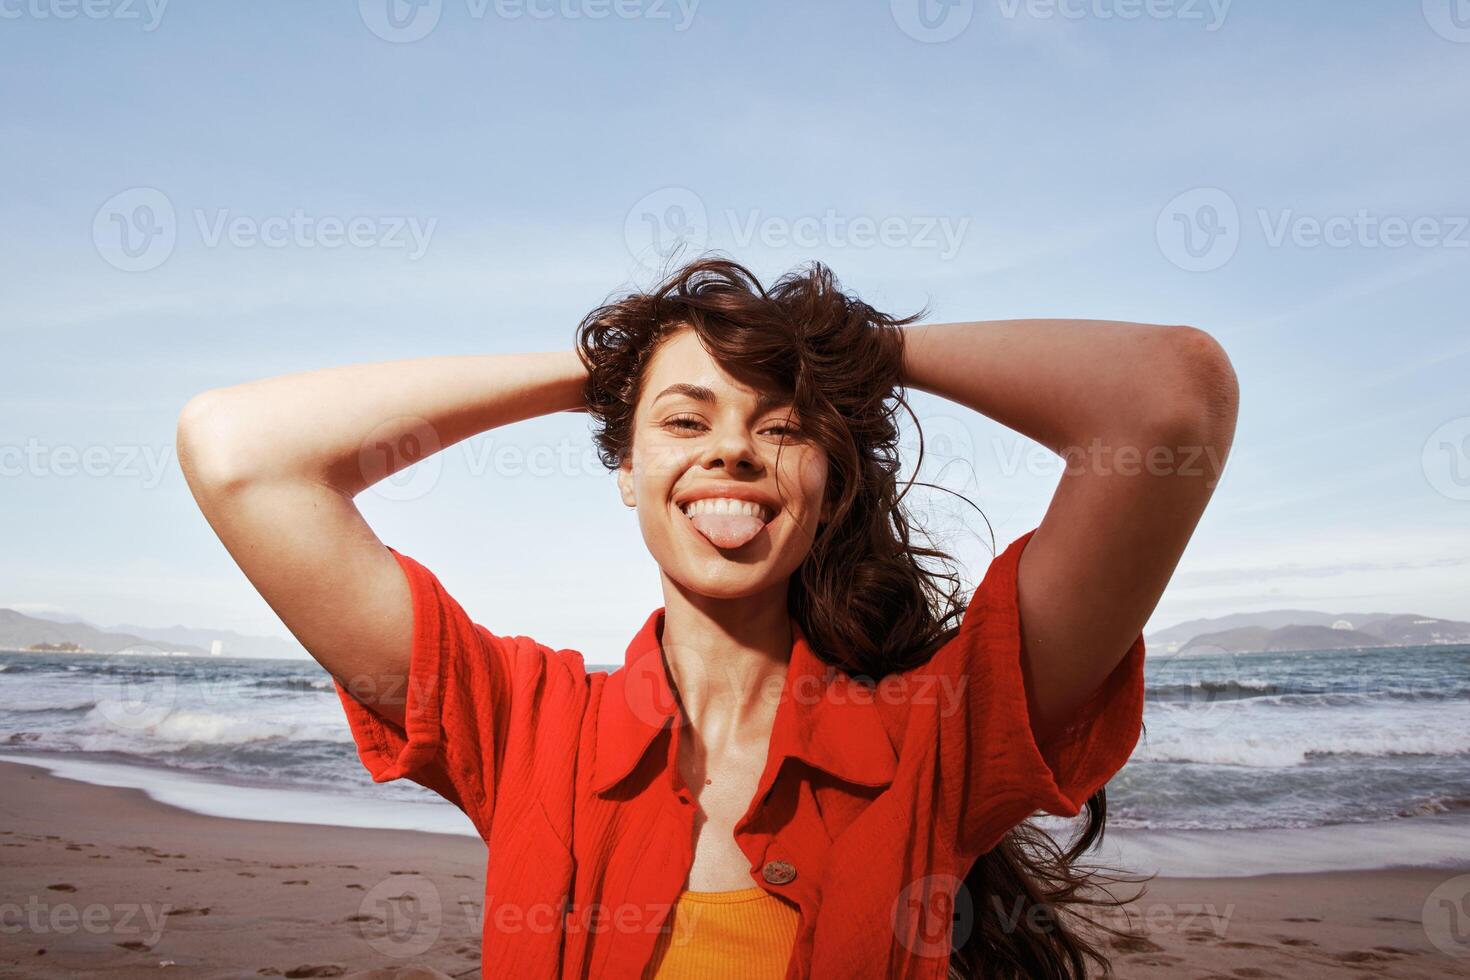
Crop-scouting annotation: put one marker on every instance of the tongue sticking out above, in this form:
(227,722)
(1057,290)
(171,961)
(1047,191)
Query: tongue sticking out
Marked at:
(727,530)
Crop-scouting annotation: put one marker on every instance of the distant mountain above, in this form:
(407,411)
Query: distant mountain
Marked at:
(18,631)
(234,644)
(1325,631)
(1269,619)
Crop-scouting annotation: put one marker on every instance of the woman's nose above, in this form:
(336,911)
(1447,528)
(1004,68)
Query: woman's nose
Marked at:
(731,449)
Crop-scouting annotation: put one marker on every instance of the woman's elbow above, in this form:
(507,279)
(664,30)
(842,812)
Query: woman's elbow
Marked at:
(1201,395)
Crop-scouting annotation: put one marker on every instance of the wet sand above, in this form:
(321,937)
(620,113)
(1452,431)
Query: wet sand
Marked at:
(107,882)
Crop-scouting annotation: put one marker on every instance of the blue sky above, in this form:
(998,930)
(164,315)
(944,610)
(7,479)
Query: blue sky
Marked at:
(305,185)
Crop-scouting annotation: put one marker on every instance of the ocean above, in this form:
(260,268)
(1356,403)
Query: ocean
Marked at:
(1252,742)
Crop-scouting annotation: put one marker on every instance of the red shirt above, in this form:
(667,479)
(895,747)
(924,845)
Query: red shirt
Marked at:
(874,802)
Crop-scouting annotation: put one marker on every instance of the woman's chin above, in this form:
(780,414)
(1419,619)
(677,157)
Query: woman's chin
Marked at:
(719,578)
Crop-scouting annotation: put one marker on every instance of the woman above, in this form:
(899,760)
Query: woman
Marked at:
(817,759)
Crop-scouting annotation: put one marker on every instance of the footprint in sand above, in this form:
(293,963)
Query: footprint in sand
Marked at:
(62,888)
(296,881)
(134,945)
(189,911)
(1135,944)
(1362,956)
(1301,919)
(326,970)
(245,874)
(358,887)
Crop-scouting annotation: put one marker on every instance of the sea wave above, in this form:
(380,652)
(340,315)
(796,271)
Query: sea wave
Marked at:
(1301,695)
(122,722)
(1286,753)
(37,707)
(296,685)
(1213,690)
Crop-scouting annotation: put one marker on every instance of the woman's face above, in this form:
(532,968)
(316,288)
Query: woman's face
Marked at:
(720,512)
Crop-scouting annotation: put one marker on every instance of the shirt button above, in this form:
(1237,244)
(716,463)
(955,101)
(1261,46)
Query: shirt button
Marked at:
(778,872)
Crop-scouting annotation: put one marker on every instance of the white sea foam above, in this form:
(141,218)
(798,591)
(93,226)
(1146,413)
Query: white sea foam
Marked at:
(123,725)
(1297,749)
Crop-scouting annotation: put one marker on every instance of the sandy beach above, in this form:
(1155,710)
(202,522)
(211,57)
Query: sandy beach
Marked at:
(108,882)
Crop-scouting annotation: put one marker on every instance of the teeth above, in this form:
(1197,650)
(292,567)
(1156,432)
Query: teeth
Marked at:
(726,505)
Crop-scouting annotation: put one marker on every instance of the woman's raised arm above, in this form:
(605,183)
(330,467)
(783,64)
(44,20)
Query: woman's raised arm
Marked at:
(274,466)
(1144,416)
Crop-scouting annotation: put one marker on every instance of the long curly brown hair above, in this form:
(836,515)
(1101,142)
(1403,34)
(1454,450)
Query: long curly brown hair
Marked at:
(868,596)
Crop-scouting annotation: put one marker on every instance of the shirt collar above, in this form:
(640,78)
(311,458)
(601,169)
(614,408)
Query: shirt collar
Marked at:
(824,717)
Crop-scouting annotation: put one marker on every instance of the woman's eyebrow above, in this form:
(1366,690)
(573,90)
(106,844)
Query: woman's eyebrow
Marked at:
(764,401)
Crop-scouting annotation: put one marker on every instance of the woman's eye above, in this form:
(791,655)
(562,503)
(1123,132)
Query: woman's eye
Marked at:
(688,424)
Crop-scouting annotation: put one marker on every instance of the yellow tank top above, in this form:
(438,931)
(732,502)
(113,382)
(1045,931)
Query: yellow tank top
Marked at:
(740,935)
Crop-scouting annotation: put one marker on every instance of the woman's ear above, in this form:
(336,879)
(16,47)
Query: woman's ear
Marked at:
(625,482)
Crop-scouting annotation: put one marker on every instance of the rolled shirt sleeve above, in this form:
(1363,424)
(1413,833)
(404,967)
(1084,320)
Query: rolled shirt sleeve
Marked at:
(994,773)
(466,693)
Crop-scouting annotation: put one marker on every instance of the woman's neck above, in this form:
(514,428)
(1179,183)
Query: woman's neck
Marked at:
(727,658)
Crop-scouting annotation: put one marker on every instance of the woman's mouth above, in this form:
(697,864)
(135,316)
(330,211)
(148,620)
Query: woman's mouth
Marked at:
(727,522)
